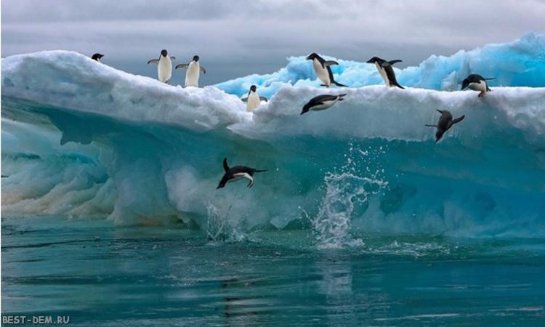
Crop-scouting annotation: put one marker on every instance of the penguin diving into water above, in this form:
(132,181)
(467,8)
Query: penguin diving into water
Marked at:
(322,102)
(237,172)
(445,123)
(193,71)
(253,99)
(164,66)
(323,70)
(386,70)
(476,82)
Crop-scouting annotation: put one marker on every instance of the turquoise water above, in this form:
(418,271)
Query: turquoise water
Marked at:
(99,275)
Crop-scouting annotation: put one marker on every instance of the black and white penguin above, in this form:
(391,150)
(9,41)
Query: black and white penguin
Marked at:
(97,56)
(323,70)
(164,66)
(476,82)
(193,71)
(386,70)
(322,102)
(445,123)
(253,99)
(237,172)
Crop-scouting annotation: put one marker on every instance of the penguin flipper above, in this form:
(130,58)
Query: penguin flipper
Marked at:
(244,99)
(225,165)
(330,63)
(181,66)
(203,70)
(172,58)
(459,119)
(263,98)
(391,62)
(153,61)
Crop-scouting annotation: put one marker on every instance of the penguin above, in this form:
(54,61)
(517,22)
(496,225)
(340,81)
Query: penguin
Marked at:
(97,56)
(445,123)
(322,69)
(237,172)
(476,82)
(253,99)
(386,70)
(193,71)
(164,66)
(322,102)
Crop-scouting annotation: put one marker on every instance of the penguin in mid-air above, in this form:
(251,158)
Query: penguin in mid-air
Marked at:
(323,70)
(237,172)
(476,82)
(97,56)
(322,102)
(386,70)
(253,99)
(193,71)
(164,66)
(445,123)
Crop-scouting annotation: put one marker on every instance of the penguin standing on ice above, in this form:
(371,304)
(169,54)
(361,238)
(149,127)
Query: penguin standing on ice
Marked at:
(386,70)
(322,102)
(193,71)
(476,82)
(237,172)
(97,56)
(323,70)
(445,123)
(164,66)
(253,99)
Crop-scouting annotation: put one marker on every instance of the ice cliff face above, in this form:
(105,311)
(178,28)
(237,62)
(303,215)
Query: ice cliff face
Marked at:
(80,138)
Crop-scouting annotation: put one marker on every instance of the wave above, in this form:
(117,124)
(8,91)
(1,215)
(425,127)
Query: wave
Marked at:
(80,138)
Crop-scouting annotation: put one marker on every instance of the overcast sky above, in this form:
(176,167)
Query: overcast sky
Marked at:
(236,38)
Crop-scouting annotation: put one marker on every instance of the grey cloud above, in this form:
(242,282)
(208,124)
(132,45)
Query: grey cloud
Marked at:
(263,33)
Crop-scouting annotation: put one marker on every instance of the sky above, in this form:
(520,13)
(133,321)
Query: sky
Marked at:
(235,38)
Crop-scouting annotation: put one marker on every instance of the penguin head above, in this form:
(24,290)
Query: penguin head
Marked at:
(97,56)
(465,84)
(312,56)
(164,53)
(195,58)
(306,108)
(253,88)
(374,60)
(222,182)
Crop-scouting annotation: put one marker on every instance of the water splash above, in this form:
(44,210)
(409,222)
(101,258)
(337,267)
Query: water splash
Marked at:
(219,226)
(346,192)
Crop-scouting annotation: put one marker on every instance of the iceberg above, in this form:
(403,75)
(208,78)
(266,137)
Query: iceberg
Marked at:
(81,139)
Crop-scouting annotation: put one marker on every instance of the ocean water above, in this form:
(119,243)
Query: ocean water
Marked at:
(110,213)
